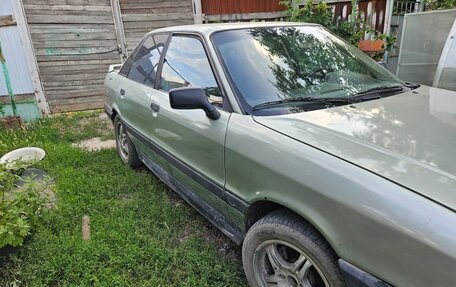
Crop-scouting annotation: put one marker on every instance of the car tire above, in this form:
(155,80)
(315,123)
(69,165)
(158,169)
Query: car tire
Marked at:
(281,249)
(124,146)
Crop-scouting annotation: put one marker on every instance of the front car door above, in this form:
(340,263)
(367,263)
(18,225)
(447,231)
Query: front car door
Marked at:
(192,144)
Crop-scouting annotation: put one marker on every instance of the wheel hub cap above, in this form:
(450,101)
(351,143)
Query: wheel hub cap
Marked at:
(278,263)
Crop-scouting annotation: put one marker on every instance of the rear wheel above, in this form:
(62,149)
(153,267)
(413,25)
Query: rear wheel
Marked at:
(282,250)
(125,147)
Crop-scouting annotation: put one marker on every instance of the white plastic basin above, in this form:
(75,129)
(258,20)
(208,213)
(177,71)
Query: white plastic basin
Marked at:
(26,155)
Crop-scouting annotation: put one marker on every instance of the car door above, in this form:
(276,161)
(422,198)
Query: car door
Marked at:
(192,143)
(136,90)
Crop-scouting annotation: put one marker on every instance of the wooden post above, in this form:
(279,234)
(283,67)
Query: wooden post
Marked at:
(387,23)
(19,17)
(197,12)
(118,24)
(388,15)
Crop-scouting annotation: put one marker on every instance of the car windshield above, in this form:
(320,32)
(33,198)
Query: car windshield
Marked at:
(292,64)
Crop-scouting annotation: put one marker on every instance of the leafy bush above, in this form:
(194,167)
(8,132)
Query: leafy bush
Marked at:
(352,30)
(440,4)
(19,206)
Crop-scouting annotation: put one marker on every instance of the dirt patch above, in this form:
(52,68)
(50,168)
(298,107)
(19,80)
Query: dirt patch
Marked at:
(185,234)
(126,197)
(103,116)
(95,144)
(96,124)
(225,246)
(174,199)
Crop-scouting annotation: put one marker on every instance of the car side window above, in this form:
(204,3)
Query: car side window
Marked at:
(145,64)
(186,64)
(127,65)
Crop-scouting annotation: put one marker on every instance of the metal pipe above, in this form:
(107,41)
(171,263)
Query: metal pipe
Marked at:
(8,81)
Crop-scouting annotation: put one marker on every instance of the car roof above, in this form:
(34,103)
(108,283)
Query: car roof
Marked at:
(208,29)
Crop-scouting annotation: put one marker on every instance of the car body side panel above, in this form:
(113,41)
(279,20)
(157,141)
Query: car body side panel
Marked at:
(192,138)
(111,85)
(371,222)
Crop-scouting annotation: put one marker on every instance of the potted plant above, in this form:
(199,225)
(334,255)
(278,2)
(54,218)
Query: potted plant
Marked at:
(9,122)
(23,200)
(377,45)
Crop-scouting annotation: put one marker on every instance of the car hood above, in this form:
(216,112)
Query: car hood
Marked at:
(408,138)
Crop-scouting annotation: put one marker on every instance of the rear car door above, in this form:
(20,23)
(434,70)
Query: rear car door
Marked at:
(192,143)
(135,91)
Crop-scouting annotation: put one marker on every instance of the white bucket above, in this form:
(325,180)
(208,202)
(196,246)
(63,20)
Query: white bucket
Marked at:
(24,155)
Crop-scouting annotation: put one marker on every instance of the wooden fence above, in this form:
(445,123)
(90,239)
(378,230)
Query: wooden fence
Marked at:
(241,10)
(373,10)
(76,40)
(142,16)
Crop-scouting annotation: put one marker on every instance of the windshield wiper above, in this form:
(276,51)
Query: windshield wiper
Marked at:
(378,91)
(327,101)
(412,85)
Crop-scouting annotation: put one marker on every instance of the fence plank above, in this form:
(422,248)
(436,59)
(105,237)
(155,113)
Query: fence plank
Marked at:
(7,21)
(74,43)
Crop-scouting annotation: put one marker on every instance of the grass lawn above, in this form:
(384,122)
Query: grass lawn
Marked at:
(142,234)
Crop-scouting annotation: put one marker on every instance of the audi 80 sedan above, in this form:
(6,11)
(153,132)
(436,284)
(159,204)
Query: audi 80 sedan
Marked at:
(328,169)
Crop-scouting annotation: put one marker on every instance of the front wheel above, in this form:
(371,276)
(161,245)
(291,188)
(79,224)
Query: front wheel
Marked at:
(282,250)
(125,147)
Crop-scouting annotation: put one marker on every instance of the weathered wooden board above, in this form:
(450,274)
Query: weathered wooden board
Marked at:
(114,55)
(20,98)
(74,42)
(62,85)
(7,20)
(142,16)
(69,19)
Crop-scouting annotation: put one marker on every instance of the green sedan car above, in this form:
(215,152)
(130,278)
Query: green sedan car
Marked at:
(328,169)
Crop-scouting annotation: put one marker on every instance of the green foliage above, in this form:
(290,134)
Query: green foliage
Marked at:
(351,30)
(389,40)
(142,234)
(440,4)
(19,206)
(2,110)
(310,13)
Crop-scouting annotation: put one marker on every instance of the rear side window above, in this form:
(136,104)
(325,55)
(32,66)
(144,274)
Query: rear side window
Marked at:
(145,63)
(186,64)
(127,65)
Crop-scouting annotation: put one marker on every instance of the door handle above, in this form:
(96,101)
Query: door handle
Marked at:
(155,107)
(122,92)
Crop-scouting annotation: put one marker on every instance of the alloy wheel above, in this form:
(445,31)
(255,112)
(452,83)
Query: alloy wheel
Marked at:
(122,140)
(279,263)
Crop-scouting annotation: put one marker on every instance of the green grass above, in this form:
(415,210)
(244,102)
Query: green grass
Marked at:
(141,233)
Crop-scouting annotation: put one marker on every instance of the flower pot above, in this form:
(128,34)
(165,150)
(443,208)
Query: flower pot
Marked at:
(372,48)
(11,122)
(371,45)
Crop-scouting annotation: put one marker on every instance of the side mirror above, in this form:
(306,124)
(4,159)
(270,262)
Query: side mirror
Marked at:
(190,98)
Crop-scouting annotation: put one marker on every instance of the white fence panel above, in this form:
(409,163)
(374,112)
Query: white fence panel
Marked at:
(14,55)
(423,37)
